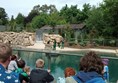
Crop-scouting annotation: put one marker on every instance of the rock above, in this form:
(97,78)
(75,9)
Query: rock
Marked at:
(22,38)
(51,38)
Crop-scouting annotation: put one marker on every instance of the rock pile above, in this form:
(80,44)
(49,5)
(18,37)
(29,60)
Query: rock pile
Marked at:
(21,38)
(51,38)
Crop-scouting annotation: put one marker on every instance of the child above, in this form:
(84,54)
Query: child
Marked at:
(106,69)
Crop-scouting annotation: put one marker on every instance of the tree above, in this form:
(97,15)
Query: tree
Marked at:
(103,19)
(110,10)
(40,21)
(12,23)
(3,16)
(30,16)
(85,11)
(20,22)
(70,14)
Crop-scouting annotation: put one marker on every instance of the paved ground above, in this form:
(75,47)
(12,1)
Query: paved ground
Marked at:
(42,46)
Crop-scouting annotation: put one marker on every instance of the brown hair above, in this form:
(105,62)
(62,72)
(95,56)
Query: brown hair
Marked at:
(21,63)
(13,57)
(91,62)
(69,71)
(5,52)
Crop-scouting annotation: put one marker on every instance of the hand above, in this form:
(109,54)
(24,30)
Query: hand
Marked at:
(49,70)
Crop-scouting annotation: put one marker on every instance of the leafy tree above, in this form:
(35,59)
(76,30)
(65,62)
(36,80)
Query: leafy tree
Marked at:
(69,32)
(45,9)
(40,21)
(20,22)
(95,22)
(3,16)
(12,23)
(110,10)
(70,14)
(85,11)
(30,16)
(20,19)
(103,19)
(55,19)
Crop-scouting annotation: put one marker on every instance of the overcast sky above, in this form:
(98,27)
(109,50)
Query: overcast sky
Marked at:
(13,7)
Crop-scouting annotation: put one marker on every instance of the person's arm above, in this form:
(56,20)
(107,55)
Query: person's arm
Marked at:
(15,65)
(49,77)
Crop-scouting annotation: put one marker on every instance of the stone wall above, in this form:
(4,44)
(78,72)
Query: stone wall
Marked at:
(21,38)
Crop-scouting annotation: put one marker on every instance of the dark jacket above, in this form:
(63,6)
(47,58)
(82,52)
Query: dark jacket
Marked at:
(88,77)
(40,76)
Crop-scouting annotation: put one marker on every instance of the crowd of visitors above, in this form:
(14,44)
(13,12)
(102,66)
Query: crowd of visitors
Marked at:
(92,69)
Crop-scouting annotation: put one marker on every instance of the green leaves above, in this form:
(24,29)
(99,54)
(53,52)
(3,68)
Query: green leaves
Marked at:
(3,16)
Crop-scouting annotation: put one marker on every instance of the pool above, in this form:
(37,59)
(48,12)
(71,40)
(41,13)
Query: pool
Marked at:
(57,62)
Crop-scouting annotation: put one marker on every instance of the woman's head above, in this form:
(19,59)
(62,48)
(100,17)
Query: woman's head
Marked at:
(69,72)
(91,62)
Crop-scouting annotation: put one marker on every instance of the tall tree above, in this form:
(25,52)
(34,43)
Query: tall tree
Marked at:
(70,14)
(110,10)
(20,22)
(12,23)
(3,16)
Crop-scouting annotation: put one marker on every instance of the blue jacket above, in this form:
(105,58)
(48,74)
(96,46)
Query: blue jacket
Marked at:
(88,77)
(6,77)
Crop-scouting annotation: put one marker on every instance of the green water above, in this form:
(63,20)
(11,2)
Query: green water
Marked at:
(60,62)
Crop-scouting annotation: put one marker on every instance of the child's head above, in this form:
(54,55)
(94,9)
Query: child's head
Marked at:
(69,72)
(21,63)
(26,69)
(105,61)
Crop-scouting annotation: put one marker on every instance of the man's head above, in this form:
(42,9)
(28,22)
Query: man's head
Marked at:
(91,62)
(40,63)
(5,53)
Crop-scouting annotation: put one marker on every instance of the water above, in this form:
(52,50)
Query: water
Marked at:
(61,61)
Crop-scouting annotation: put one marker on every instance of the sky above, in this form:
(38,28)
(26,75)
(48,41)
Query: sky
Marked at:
(13,7)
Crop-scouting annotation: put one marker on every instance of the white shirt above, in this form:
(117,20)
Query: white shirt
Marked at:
(12,65)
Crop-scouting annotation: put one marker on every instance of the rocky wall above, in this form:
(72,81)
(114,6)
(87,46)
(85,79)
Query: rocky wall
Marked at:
(21,38)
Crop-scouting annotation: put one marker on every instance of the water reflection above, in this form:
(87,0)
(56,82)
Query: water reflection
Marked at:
(60,62)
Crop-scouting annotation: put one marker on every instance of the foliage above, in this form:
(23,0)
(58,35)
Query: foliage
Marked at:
(12,24)
(40,21)
(3,16)
(69,32)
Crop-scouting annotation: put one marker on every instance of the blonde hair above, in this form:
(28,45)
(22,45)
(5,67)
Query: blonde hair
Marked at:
(40,63)
(27,69)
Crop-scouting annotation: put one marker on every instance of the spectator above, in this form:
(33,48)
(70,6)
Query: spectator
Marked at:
(5,54)
(23,77)
(39,75)
(91,69)
(69,72)
(13,65)
(106,69)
